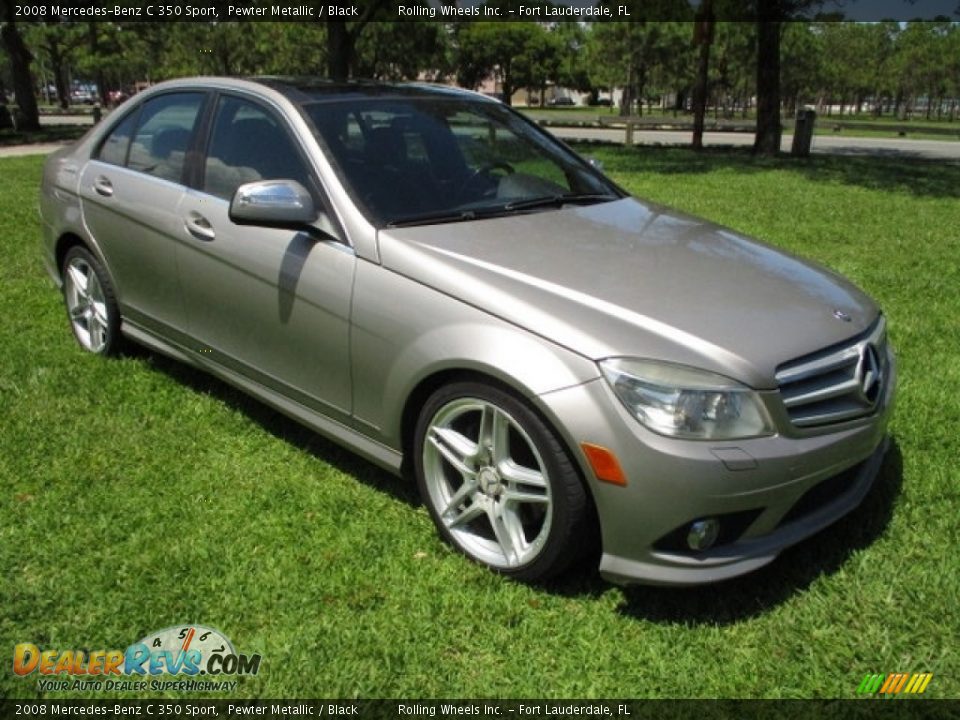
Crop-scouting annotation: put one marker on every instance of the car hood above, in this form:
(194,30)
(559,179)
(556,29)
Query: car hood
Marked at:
(631,278)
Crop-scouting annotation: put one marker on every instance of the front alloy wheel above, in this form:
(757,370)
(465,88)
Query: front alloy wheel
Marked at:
(497,482)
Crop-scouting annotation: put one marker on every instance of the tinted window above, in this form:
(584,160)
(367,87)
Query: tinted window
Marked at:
(163,136)
(248,144)
(114,148)
(408,158)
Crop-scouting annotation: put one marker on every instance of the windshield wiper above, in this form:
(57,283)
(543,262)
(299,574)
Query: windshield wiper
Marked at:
(558,200)
(435,218)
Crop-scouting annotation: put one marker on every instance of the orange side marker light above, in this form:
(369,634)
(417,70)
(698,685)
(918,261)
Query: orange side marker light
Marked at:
(604,463)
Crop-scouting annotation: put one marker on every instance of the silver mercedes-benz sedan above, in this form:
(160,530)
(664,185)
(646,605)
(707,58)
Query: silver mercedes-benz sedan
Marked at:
(428,278)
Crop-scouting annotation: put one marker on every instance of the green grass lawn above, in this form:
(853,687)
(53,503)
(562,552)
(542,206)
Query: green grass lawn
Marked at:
(918,129)
(137,494)
(47,133)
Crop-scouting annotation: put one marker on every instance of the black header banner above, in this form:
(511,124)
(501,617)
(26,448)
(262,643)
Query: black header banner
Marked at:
(476,10)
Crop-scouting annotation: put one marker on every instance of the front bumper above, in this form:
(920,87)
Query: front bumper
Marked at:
(786,487)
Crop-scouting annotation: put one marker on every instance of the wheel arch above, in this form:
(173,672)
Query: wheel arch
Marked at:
(65,242)
(418,397)
(70,239)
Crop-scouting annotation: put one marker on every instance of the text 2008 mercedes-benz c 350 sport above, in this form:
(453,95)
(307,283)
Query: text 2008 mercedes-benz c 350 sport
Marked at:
(429,279)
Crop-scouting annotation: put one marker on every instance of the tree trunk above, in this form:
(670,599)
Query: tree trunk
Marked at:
(20,59)
(641,87)
(103,92)
(702,34)
(626,99)
(59,71)
(339,50)
(506,83)
(769,128)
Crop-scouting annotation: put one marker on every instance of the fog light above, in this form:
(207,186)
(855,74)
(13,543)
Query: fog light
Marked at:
(703,534)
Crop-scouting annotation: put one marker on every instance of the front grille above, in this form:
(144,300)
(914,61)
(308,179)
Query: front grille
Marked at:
(836,384)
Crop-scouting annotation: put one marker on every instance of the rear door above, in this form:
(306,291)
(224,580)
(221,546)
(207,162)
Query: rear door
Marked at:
(272,304)
(130,193)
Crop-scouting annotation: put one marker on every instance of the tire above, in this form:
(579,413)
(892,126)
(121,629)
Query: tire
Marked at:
(498,484)
(90,302)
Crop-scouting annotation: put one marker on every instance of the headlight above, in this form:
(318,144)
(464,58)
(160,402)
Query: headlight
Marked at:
(684,402)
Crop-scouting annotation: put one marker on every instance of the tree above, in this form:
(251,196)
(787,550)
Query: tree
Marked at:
(539,62)
(56,43)
(770,16)
(802,65)
(402,50)
(342,39)
(495,49)
(703,36)
(634,54)
(572,70)
(734,55)
(20,58)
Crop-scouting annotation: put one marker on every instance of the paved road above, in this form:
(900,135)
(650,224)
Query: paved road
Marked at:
(38,149)
(824,144)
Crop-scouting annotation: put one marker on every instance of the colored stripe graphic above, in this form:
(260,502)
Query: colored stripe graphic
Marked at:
(870,683)
(927,677)
(895,683)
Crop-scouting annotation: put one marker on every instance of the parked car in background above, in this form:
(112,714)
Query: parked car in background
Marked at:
(428,278)
(561,102)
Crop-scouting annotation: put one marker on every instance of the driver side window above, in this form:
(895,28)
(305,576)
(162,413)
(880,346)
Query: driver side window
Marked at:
(248,144)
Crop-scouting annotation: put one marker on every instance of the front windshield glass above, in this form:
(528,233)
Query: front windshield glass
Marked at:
(426,160)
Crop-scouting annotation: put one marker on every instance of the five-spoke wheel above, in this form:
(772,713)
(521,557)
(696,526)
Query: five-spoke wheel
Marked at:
(90,302)
(497,482)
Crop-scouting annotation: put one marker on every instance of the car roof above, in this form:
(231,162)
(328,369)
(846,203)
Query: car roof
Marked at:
(305,90)
(312,89)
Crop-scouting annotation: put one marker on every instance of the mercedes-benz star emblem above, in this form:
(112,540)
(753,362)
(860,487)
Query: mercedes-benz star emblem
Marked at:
(869,375)
(841,315)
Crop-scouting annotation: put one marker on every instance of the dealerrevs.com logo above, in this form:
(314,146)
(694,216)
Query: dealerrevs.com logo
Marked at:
(182,650)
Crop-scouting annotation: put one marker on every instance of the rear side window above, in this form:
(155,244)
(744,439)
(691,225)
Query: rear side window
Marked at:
(163,136)
(114,148)
(249,144)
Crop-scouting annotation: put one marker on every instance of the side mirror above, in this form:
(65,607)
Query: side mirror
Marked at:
(281,203)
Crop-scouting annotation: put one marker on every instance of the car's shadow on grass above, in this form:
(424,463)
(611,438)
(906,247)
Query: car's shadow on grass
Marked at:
(758,592)
(282,427)
(718,604)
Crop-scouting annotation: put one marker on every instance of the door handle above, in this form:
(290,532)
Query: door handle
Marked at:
(103,186)
(198,226)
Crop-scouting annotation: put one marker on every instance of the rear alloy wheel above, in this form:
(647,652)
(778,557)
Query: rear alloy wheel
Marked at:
(91,306)
(497,483)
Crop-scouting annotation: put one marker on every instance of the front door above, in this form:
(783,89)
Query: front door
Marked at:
(269,303)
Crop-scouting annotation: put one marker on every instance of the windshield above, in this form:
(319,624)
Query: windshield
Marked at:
(426,160)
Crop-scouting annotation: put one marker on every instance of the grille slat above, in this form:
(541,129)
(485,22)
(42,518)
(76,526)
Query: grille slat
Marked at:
(822,393)
(820,366)
(836,384)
